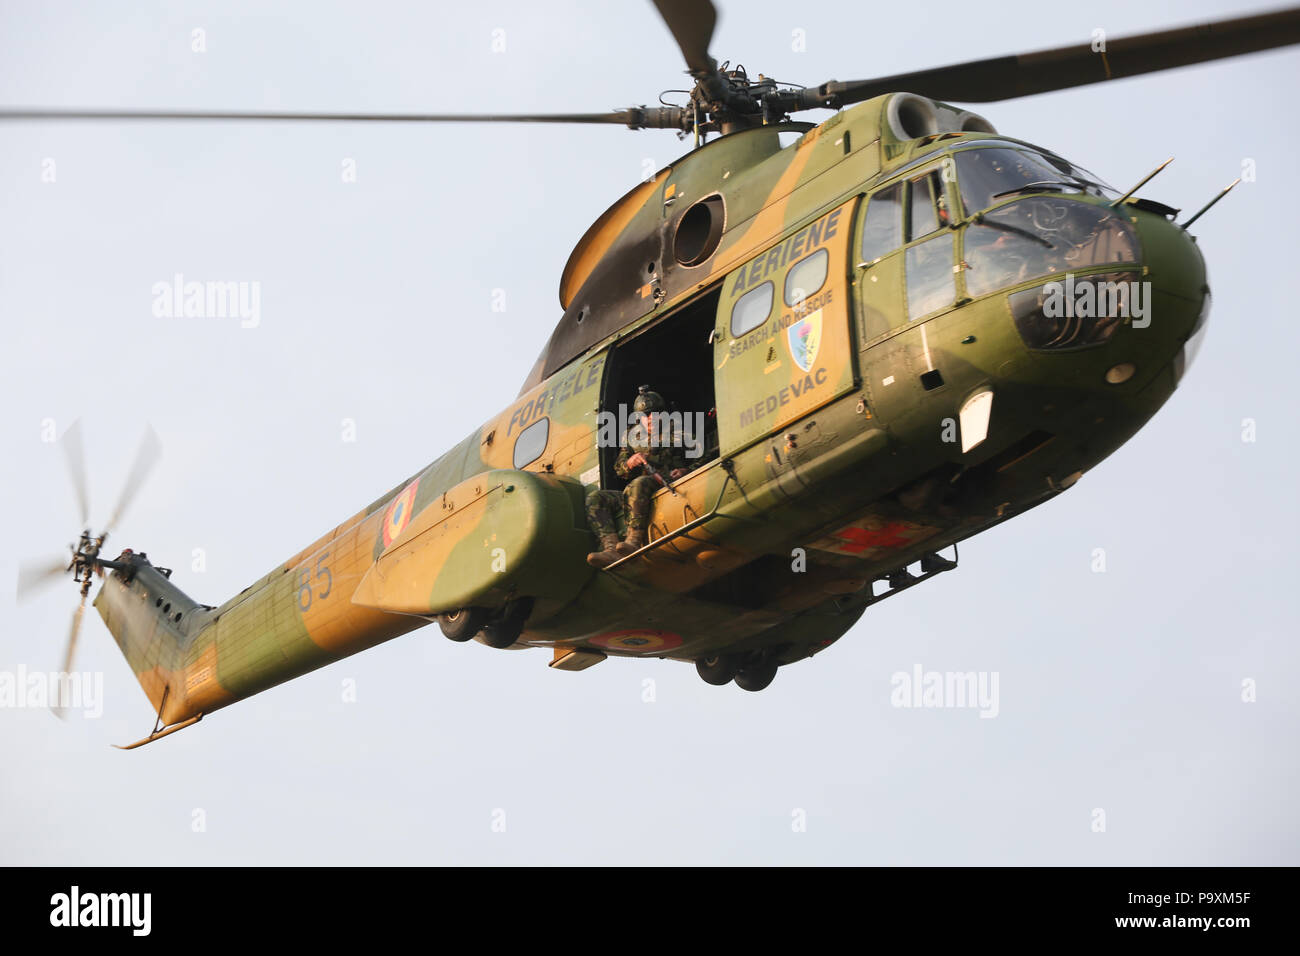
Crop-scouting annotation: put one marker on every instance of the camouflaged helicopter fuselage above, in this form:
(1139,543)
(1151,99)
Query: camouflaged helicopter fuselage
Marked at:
(836,462)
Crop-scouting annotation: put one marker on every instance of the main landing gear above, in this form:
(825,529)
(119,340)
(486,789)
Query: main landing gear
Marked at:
(500,629)
(462,624)
(756,677)
(751,672)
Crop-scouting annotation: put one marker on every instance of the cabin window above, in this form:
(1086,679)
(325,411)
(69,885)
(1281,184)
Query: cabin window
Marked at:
(882,230)
(752,309)
(806,277)
(531,442)
(930,285)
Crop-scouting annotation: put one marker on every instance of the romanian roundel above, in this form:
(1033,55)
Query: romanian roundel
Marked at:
(638,642)
(399,512)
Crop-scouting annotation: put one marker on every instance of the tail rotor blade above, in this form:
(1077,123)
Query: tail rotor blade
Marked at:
(71,653)
(35,575)
(75,454)
(145,459)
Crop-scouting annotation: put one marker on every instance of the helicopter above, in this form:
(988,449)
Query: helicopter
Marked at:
(898,332)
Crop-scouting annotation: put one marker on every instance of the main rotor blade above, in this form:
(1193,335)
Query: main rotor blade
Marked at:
(621,117)
(71,651)
(1024,74)
(35,575)
(145,459)
(691,23)
(75,455)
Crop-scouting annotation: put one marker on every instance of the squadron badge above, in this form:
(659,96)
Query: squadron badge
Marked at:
(805,338)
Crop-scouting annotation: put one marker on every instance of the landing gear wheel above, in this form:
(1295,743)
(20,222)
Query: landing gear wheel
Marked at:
(462,624)
(505,632)
(502,634)
(755,677)
(717,670)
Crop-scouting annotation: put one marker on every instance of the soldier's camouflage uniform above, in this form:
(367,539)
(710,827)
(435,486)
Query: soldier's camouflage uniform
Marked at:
(608,511)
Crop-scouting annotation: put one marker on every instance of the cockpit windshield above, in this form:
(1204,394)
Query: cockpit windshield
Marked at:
(988,175)
(1040,236)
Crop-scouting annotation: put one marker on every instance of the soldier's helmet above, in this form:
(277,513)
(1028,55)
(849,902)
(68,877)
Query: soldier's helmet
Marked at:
(648,401)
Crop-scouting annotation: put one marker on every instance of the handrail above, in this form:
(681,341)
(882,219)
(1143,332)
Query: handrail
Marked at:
(689,526)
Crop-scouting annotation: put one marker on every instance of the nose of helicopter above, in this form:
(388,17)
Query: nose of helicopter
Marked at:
(1102,349)
(1105,347)
(1177,299)
(1124,303)
(1128,329)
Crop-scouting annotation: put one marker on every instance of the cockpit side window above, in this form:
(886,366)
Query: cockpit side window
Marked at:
(928,210)
(882,227)
(930,285)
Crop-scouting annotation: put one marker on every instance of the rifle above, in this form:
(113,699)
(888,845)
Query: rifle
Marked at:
(654,473)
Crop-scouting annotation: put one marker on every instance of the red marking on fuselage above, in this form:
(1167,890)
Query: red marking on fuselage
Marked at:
(855,540)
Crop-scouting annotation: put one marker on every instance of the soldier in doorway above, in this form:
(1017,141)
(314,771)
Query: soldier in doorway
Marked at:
(651,456)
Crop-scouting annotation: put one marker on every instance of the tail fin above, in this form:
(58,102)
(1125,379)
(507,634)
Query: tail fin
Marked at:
(149,617)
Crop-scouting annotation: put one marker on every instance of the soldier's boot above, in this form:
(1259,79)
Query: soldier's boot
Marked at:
(608,554)
(634,541)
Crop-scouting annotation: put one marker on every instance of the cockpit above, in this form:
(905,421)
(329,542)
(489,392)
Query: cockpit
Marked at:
(1024,228)
(992,217)
(1021,225)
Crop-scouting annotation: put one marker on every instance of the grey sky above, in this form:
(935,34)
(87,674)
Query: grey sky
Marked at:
(1118,690)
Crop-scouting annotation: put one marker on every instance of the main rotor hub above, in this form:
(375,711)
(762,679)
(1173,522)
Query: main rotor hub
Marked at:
(725,100)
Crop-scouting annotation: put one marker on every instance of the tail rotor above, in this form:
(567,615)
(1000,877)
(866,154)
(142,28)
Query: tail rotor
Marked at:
(86,561)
